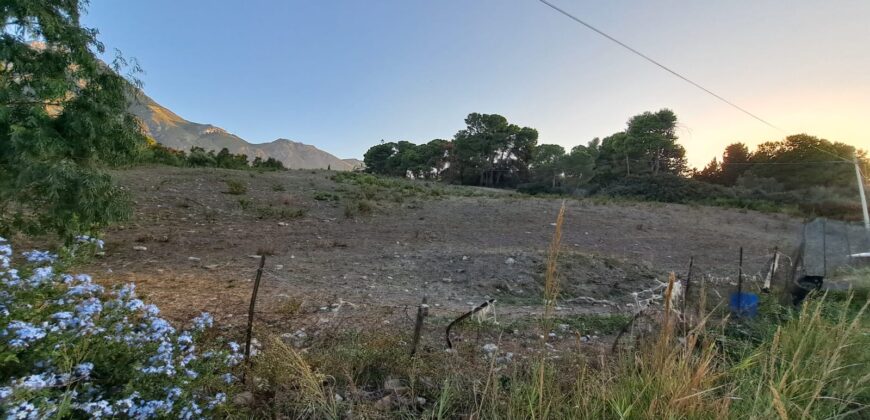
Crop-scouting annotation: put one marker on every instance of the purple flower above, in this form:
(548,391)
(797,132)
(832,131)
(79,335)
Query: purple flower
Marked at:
(203,321)
(25,333)
(37,257)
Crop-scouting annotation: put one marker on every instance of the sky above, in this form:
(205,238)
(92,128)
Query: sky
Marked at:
(343,75)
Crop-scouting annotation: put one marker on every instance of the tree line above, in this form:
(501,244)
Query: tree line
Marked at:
(644,160)
(492,152)
(199,157)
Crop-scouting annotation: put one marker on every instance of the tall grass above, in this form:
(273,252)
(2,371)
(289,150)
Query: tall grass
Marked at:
(551,293)
(815,366)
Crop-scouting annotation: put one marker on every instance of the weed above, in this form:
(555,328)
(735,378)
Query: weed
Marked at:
(235,187)
(357,207)
(326,196)
(278,187)
(245,203)
(210,215)
(275,212)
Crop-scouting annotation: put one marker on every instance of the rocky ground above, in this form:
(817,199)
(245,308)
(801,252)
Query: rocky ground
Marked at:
(346,252)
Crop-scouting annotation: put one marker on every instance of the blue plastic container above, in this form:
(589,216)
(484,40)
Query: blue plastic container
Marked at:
(744,304)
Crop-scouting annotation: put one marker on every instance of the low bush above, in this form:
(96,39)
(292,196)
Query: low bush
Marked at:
(326,196)
(278,212)
(666,188)
(70,349)
(236,187)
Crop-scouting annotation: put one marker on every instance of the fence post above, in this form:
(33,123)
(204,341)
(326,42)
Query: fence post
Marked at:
(740,282)
(251,308)
(688,284)
(771,271)
(422,312)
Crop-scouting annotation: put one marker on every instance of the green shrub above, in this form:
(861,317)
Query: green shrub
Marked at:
(353,208)
(276,212)
(666,188)
(69,349)
(326,196)
(235,187)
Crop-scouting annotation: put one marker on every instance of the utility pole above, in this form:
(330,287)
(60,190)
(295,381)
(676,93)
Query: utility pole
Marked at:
(863,196)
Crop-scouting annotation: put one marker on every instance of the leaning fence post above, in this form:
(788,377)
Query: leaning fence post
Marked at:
(422,312)
(688,284)
(251,309)
(773,267)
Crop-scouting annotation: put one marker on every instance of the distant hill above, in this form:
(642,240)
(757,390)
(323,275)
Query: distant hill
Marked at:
(170,130)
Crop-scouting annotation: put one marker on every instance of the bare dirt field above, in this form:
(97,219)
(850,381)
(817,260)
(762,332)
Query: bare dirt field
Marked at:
(341,250)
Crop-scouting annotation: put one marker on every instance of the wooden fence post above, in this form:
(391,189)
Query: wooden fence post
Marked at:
(688,283)
(251,308)
(740,282)
(422,312)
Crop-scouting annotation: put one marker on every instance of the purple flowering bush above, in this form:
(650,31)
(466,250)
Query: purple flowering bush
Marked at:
(69,348)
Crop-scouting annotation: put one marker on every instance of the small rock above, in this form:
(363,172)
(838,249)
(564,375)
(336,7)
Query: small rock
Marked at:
(564,328)
(338,398)
(210,266)
(465,258)
(394,385)
(282,223)
(421,401)
(194,259)
(279,267)
(385,403)
(510,261)
(243,398)
(489,348)
(507,358)
(139,248)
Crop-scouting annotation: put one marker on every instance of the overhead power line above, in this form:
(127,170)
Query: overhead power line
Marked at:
(675,73)
(829,162)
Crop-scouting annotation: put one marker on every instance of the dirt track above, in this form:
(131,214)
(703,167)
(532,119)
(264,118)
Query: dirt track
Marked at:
(457,250)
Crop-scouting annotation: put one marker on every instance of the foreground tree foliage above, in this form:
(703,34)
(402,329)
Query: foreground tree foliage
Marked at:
(63,120)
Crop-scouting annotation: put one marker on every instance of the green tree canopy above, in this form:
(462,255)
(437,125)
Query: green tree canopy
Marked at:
(63,118)
(648,146)
(492,152)
(798,162)
(548,164)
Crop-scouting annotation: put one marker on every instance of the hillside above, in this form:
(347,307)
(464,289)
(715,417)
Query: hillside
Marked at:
(171,130)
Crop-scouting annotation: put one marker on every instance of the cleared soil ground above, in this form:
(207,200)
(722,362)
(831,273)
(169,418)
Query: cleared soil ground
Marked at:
(343,251)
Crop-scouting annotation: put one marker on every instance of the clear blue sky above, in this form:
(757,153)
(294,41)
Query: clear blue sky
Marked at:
(342,75)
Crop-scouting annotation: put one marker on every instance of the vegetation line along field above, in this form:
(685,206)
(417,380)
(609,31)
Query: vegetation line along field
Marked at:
(126,266)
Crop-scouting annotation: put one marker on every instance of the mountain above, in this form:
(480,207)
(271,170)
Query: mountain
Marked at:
(170,130)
